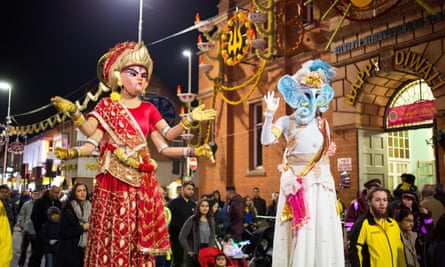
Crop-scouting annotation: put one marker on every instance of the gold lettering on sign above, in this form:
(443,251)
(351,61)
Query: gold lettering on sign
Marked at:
(421,66)
(356,87)
(412,60)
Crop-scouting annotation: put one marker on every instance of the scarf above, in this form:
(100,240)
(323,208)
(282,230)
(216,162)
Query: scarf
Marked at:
(83,214)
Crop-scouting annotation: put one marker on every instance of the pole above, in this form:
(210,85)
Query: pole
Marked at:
(8,121)
(141,5)
(190,73)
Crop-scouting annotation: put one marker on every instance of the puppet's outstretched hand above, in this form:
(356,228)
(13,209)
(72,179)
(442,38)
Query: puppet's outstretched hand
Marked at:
(205,151)
(66,153)
(64,105)
(272,102)
(201,114)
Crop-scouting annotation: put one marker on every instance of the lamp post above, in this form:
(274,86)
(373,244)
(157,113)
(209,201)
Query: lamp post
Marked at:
(6,86)
(188,54)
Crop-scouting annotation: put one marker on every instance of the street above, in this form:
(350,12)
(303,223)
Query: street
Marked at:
(17,241)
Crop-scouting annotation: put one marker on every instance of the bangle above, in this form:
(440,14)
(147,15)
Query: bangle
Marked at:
(79,152)
(165,130)
(92,141)
(186,152)
(192,152)
(162,148)
(79,120)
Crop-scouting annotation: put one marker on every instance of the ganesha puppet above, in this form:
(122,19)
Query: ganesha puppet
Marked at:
(307,223)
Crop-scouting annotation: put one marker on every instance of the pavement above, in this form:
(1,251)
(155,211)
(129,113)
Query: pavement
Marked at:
(17,242)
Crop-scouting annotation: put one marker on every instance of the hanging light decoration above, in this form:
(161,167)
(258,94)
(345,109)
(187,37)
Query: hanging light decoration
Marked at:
(16,147)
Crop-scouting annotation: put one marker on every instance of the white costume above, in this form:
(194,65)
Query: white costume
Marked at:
(307,231)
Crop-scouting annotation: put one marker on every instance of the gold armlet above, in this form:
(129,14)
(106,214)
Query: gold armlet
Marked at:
(79,120)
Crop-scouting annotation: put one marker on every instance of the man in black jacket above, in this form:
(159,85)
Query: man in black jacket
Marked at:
(181,209)
(259,202)
(39,217)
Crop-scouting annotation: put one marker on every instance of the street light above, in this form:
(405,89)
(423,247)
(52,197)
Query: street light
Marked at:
(188,54)
(6,86)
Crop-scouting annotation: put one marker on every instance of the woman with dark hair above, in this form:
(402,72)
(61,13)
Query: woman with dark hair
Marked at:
(221,220)
(74,228)
(423,222)
(217,197)
(405,218)
(197,232)
(437,245)
(250,214)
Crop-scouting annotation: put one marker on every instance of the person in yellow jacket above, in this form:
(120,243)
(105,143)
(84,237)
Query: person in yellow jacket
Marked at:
(5,238)
(375,237)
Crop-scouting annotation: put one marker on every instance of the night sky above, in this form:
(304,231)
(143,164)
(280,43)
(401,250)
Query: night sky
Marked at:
(51,47)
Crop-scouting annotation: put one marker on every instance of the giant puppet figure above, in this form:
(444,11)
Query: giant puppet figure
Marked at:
(127,225)
(307,230)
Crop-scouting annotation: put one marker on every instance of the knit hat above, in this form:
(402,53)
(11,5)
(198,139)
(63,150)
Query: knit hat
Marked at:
(373,182)
(53,210)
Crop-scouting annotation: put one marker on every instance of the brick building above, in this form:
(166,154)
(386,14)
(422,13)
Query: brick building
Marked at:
(389,55)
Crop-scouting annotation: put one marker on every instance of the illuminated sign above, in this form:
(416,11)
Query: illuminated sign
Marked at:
(235,43)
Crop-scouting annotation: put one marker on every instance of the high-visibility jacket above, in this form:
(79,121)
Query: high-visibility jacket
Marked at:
(376,244)
(5,238)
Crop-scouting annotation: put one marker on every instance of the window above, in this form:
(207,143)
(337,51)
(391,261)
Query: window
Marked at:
(256,111)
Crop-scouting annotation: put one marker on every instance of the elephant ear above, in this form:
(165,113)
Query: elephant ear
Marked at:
(288,87)
(325,97)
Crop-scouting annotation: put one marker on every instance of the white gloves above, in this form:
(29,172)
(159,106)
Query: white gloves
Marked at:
(272,102)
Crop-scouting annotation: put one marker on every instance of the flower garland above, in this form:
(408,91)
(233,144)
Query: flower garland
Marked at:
(147,164)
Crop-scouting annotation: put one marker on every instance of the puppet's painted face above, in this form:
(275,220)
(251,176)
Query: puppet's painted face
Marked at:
(134,79)
(305,100)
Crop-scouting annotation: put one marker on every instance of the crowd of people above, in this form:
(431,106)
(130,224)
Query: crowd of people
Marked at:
(57,230)
(411,234)
(404,227)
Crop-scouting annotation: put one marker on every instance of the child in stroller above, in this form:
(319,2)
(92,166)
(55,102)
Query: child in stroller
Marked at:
(213,257)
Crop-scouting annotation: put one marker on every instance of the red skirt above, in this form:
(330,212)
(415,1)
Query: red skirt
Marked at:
(124,219)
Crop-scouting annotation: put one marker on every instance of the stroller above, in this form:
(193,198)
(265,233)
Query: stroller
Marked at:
(206,257)
(260,248)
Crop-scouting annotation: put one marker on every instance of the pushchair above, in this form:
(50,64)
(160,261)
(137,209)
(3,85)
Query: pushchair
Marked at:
(260,247)
(206,257)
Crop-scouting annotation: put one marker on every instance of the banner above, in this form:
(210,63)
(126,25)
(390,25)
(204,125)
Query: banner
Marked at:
(416,112)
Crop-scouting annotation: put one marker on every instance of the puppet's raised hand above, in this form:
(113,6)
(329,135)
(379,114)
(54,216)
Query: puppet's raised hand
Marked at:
(272,102)
(64,105)
(201,114)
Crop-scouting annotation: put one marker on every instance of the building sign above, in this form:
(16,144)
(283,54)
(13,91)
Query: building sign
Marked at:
(344,164)
(235,44)
(417,112)
(420,65)
(389,33)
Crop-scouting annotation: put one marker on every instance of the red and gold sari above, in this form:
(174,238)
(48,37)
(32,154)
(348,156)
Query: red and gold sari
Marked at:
(127,211)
